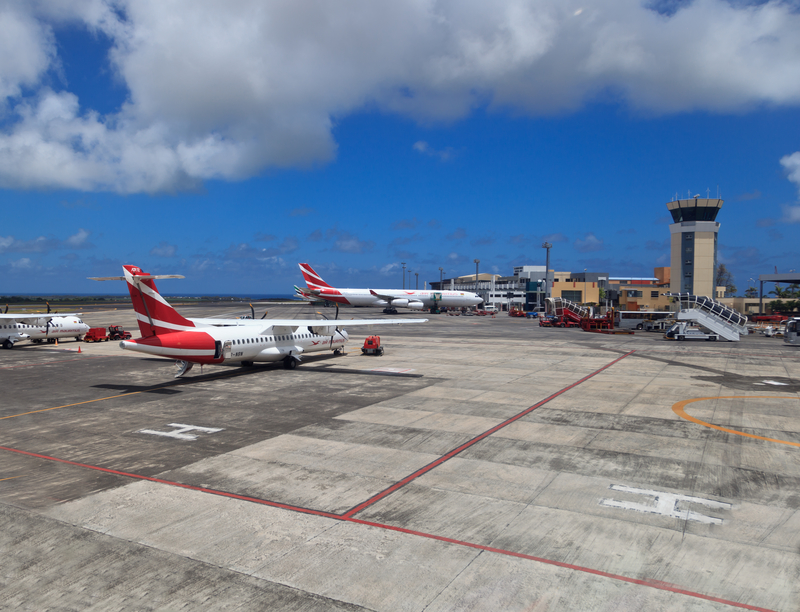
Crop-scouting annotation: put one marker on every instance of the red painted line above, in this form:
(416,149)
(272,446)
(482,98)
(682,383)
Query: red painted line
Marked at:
(254,500)
(650,583)
(475,440)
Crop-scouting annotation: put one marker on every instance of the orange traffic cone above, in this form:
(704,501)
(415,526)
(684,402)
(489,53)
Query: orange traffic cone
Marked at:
(79,348)
(56,341)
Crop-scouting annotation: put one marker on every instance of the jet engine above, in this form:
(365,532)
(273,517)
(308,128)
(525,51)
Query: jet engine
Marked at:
(401,303)
(416,305)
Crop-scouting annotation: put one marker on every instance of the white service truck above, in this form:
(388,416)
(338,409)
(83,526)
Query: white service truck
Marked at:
(684,330)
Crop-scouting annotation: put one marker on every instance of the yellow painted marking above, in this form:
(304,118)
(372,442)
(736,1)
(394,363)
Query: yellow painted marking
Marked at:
(10,478)
(679,410)
(102,399)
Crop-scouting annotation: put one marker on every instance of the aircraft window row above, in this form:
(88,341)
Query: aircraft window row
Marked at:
(23,326)
(276,338)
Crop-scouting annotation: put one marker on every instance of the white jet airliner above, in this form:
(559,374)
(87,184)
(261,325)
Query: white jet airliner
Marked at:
(38,327)
(166,333)
(388,299)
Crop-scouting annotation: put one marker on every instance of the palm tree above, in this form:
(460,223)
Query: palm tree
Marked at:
(781,293)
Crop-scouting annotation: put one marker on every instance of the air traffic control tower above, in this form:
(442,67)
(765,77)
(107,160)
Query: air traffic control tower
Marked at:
(693,241)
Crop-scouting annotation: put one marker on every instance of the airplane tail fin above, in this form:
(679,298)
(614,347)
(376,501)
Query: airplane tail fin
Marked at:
(313,280)
(153,313)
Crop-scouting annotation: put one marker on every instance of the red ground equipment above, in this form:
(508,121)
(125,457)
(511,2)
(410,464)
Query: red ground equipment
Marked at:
(516,312)
(95,334)
(372,346)
(115,332)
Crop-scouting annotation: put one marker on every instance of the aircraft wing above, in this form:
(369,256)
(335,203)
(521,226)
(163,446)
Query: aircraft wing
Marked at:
(286,324)
(383,296)
(36,319)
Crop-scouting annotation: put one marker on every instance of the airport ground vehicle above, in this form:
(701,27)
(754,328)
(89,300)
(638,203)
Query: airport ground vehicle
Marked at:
(372,346)
(682,330)
(648,320)
(96,334)
(792,334)
(516,312)
(531,315)
(115,332)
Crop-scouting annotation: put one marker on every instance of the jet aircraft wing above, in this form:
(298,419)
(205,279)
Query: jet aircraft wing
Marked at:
(384,296)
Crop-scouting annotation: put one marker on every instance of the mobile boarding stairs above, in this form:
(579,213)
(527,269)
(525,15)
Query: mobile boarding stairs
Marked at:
(565,310)
(711,314)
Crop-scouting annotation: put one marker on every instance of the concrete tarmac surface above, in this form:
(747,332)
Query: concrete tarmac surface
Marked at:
(480,464)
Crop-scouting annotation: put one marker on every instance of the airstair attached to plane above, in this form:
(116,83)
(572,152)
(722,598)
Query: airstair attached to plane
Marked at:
(711,314)
(565,309)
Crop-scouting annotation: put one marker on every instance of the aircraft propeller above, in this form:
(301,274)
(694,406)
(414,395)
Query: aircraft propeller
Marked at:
(336,328)
(253,312)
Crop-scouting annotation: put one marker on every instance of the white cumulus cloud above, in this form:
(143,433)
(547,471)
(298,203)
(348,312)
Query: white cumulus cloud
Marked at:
(791,214)
(226,90)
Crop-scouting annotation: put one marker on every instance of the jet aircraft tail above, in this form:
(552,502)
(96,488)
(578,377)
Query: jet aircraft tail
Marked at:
(313,280)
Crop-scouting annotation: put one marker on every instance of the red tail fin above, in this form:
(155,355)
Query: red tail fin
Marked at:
(312,278)
(153,312)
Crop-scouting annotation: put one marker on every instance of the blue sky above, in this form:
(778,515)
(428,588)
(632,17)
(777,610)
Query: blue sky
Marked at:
(229,145)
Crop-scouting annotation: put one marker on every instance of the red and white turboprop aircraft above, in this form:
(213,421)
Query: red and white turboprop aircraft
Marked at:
(166,333)
(388,299)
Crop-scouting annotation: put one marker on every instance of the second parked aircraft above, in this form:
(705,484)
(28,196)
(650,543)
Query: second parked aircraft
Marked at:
(388,299)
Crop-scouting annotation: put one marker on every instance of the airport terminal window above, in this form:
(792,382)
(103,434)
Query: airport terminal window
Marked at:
(654,294)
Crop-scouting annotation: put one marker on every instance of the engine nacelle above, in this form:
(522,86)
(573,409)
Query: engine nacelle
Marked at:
(416,305)
(402,303)
(323,330)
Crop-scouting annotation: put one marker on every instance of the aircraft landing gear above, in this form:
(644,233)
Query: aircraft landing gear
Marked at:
(390,311)
(8,344)
(183,367)
(289,363)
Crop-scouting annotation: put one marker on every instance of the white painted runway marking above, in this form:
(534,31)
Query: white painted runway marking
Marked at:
(180,433)
(666,504)
(392,370)
(775,382)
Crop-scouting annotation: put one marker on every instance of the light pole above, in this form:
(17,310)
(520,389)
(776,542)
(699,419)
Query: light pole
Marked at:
(548,246)
(477,263)
(404,274)
(416,274)
(584,287)
(441,277)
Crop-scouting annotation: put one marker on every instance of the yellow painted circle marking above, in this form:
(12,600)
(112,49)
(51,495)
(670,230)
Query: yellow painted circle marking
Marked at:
(679,410)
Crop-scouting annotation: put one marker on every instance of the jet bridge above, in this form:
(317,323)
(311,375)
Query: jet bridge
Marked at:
(711,314)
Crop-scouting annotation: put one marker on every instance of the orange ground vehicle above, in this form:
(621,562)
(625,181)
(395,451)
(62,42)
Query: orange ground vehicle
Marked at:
(372,346)
(96,334)
(516,312)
